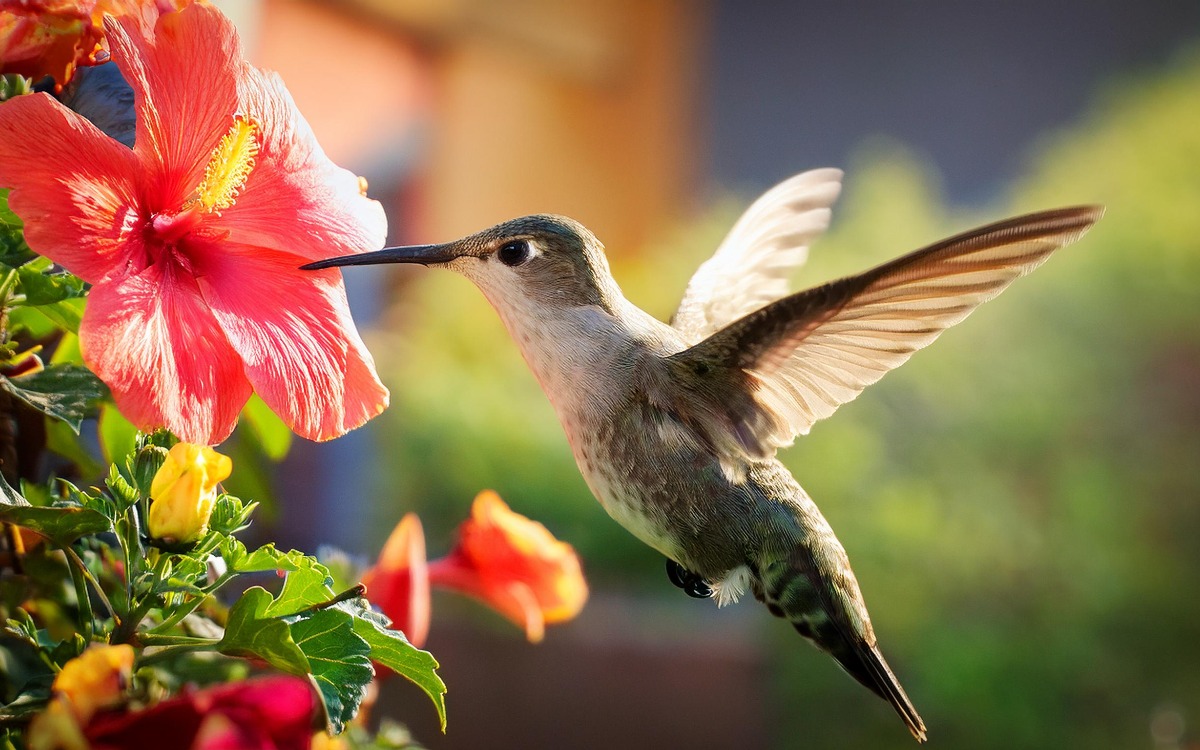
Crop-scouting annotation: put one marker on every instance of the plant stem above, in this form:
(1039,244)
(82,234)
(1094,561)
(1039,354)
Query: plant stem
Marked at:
(127,628)
(87,618)
(87,574)
(167,651)
(179,614)
(150,639)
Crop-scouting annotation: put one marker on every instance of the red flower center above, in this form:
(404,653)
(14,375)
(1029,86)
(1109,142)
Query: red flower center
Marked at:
(225,176)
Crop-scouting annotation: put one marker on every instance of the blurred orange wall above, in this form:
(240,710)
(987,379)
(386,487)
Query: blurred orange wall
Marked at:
(579,107)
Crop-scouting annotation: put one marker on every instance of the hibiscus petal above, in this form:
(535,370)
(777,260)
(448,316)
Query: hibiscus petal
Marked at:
(294,333)
(152,339)
(73,186)
(184,76)
(296,199)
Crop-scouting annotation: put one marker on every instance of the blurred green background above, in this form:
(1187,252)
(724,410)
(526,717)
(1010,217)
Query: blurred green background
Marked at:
(1021,501)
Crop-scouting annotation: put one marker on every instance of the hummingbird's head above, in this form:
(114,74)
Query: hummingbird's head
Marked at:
(533,263)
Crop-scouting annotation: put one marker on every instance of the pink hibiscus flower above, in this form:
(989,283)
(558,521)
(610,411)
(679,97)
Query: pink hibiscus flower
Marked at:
(192,240)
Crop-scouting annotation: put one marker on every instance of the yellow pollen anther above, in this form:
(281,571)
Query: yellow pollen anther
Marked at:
(228,167)
(362,185)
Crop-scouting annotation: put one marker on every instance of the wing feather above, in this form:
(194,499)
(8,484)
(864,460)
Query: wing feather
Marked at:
(752,265)
(803,356)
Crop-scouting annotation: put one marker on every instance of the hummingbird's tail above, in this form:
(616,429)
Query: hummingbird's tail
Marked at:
(865,664)
(843,632)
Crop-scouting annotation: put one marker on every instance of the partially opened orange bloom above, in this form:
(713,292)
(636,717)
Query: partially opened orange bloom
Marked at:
(509,562)
(399,582)
(514,565)
(41,38)
(47,38)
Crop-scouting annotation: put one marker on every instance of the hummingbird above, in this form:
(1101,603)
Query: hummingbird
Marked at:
(675,427)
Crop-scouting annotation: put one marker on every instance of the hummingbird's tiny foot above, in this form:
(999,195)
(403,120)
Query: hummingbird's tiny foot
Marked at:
(691,583)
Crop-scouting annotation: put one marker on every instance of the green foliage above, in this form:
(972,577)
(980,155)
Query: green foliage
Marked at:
(65,392)
(61,524)
(251,632)
(391,649)
(128,588)
(339,661)
(272,434)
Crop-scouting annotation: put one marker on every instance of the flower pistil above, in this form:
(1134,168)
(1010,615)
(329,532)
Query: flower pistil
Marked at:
(229,167)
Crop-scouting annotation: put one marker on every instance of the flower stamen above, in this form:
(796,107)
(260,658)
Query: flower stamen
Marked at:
(229,167)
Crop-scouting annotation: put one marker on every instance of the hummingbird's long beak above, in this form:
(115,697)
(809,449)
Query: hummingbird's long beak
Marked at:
(423,254)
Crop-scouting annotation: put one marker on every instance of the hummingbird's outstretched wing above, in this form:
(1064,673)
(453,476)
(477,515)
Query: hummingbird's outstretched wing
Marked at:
(757,383)
(751,266)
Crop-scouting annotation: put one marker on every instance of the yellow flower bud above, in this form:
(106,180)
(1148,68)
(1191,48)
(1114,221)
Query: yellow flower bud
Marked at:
(184,491)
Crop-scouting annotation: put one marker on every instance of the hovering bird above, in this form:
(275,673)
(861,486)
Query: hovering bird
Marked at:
(675,427)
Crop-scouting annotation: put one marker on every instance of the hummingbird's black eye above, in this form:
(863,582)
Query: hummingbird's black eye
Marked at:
(514,253)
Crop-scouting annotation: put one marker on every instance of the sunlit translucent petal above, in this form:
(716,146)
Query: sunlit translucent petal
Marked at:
(184,79)
(50,37)
(293,330)
(399,582)
(74,187)
(296,199)
(152,339)
(514,565)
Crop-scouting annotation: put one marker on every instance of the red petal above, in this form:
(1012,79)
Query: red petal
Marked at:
(152,339)
(296,199)
(269,712)
(399,582)
(73,186)
(279,710)
(184,76)
(294,333)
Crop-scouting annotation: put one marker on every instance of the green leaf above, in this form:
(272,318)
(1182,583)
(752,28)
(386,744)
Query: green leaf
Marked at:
(61,524)
(67,350)
(41,287)
(64,441)
(65,392)
(268,429)
(186,574)
(33,698)
(251,633)
(124,493)
(308,585)
(264,558)
(145,465)
(230,514)
(67,314)
(118,436)
(393,650)
(339,660)
(13,250)
(14,84)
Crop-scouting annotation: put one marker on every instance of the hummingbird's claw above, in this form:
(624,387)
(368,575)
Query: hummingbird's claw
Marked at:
(691,583)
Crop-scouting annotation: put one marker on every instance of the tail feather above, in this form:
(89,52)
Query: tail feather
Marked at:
(845,634)
(867,665)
